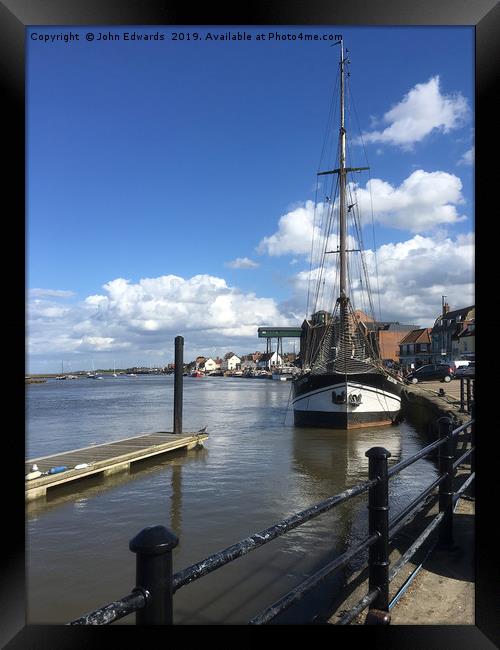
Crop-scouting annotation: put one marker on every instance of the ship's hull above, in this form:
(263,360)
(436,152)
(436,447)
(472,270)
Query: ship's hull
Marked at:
(339,401)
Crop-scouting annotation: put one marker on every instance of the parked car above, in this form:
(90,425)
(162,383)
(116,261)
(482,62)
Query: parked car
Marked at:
(442,371)
(466,371)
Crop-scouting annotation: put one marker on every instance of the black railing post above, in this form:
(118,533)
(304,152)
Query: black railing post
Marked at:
(378,518)
(473,445)
(446,458)
(153,547)
(469,395)
(178,379)
(462,395)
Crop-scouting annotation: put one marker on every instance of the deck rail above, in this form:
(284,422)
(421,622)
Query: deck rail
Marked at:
(152,598)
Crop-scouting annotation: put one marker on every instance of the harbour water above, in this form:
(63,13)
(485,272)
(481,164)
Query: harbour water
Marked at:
(255,469)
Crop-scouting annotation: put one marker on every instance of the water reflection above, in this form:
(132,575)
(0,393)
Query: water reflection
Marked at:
(336,459)
(176,500)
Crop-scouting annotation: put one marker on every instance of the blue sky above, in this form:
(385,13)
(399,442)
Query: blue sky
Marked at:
(170,183)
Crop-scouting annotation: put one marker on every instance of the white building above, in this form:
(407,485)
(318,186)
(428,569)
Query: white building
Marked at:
(210,365)
(231,364)
(268,361)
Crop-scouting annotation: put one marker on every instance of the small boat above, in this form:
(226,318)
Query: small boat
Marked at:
(196,373)
(284,373)
(343,383)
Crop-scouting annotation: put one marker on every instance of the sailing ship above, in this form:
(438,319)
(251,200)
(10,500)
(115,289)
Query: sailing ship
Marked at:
(62,375)
(343,383)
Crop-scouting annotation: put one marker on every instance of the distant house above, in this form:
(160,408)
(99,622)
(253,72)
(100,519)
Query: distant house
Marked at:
(268,360)
(445,336)
(467,341)
(415,348)
(231,363)
(385,335)
(210,365)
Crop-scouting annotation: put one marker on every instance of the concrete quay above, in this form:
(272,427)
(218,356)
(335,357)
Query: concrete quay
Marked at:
(436,587)
(442,592)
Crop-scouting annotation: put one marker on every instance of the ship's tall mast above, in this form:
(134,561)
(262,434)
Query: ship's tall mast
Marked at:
(342,185)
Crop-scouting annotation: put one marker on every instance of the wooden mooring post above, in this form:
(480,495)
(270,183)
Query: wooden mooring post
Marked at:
(178,379)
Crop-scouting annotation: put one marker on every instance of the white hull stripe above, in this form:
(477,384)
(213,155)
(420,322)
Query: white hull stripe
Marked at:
(372,401)
(350,386)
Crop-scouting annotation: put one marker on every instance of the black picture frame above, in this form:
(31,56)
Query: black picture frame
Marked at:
(15,16)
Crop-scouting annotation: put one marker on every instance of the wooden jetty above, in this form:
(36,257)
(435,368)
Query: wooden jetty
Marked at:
(105,459)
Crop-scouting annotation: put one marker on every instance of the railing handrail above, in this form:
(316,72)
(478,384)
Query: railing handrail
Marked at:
(250,543)
(139,598)
(114,611)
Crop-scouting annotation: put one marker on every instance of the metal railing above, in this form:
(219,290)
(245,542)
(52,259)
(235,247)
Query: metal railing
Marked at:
(152,598)
(466,394)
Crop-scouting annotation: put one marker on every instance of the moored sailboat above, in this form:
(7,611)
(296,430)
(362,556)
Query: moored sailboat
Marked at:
(343,383)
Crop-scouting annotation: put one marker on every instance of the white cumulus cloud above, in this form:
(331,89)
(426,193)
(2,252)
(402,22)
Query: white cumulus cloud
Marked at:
(423,201)
(242,263)
(468,157)
(142,318)
(423,109)
(295,231)
(412,276)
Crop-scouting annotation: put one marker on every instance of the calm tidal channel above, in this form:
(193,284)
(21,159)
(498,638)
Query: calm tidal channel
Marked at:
(255,469)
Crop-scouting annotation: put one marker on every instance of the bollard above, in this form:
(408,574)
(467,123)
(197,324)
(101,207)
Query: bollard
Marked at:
(178,379)
(153,547)
(446,458)
(378,521)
